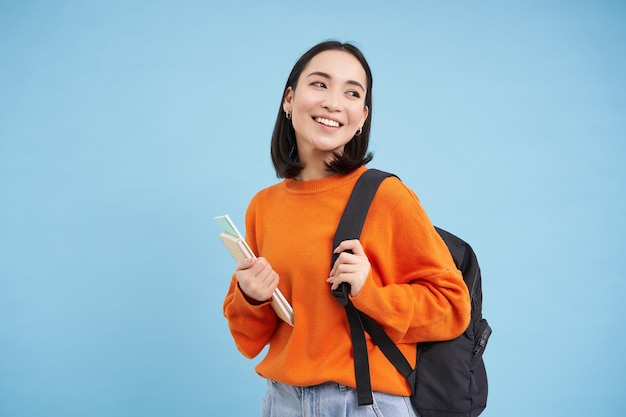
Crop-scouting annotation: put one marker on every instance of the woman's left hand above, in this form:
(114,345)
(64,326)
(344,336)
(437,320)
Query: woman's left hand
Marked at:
(352,268)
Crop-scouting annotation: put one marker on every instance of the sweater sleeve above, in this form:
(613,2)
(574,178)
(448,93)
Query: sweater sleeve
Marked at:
(414,289)
(251,325)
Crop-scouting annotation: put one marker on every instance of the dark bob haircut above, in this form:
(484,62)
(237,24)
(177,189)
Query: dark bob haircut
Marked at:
(284,148)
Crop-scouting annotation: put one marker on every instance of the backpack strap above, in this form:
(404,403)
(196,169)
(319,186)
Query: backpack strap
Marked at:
(353,218)
(350,227)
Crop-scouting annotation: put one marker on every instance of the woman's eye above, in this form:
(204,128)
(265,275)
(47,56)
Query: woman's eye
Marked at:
(318,84)
(354,94)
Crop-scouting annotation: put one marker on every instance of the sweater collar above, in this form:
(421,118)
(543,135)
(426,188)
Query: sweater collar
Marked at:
(315,186)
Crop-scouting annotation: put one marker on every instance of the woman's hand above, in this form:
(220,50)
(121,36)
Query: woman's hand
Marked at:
(256,279)
(352,268)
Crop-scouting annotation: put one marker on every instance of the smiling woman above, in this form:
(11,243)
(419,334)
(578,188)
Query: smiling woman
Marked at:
(327,109)
(348,83)
(320,148)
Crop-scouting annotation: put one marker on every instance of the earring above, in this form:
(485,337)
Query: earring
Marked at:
(288,116)
(358,132)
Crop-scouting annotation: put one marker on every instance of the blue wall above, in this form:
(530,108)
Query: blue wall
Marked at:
(125,126)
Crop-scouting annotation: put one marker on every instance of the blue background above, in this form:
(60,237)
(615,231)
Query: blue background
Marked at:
(125,126)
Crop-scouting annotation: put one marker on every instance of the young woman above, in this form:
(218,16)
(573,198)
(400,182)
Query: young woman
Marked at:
(400,272)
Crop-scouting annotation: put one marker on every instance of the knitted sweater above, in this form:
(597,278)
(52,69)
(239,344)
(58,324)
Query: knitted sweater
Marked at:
(413,290)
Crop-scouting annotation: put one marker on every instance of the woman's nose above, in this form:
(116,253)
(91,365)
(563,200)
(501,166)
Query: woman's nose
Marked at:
(332,101)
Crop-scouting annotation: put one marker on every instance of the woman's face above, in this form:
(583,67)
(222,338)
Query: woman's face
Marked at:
(328,104)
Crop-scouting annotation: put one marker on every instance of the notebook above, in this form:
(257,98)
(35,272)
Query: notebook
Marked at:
(239,249)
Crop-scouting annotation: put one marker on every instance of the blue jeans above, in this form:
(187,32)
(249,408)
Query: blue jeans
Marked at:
(330,400)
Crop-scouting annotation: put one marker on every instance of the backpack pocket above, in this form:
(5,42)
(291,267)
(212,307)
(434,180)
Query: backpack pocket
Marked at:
(451,380)
(479,386)
(482,333)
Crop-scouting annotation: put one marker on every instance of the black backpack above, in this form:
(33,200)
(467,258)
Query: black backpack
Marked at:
(449,378)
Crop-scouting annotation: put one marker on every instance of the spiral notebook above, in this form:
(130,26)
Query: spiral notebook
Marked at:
(239,249)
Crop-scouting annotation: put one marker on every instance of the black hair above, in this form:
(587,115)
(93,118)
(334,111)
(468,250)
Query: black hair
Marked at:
(284,148)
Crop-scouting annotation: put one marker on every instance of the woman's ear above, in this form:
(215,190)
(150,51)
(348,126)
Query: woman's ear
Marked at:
(288,100)
(366,112)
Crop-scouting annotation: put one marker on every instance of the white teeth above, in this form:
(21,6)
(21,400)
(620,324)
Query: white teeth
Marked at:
(327,122)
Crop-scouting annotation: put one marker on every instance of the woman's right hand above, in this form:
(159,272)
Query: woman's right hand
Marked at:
(256,279)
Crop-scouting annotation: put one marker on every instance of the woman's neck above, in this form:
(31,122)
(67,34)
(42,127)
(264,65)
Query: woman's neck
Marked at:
(315,165)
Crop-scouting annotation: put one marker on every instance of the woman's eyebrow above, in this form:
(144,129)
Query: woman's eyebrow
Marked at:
(327,76)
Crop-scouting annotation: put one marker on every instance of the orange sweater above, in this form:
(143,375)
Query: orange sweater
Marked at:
(413,290)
